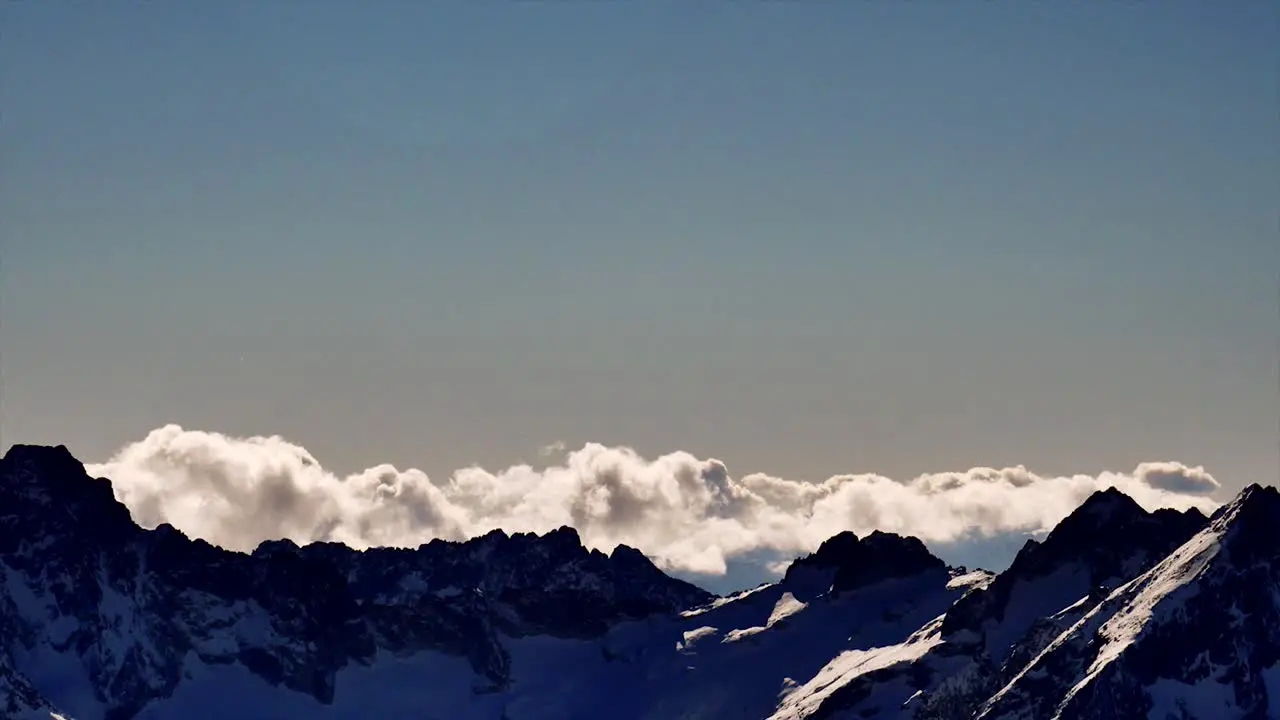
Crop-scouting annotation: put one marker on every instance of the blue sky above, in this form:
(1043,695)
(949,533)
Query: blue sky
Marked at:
(803,238)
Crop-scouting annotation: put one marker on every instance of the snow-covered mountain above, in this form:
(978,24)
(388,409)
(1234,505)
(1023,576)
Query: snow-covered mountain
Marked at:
(1118,613)
(1195,636)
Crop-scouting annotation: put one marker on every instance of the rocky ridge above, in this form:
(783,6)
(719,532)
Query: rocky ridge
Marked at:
(131,605)
(1117,613)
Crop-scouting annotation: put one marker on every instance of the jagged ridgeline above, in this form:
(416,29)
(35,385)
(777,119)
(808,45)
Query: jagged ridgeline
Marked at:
(1117,613)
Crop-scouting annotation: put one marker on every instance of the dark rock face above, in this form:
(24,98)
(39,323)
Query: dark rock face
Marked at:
(132,604)
(844,562)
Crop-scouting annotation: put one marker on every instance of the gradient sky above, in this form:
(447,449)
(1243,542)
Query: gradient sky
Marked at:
(804,238)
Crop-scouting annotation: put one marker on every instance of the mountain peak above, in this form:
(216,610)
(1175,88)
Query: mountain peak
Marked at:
(271,547)
(39,452)
(1248,525)
(627,553)
(1109,520)
(41,465)
(833,550)
(1108,539)
(1205,615)
(565,535)
(1192,514)
(1109,505)
(38,477)
(844,562)
(1256,497)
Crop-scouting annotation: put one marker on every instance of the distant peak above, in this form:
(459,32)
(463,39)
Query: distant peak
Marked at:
(857,562)
(835,546)
(625,551)
(165,530)
(1255,504)
(1192,514)
(1107,531)
(1269,493)
(271,547)
(627,555)
(894,543)
(1108,508)
(50,475)
(1109,501)
(564,534)
(495,534)
(880,536)
(42,455)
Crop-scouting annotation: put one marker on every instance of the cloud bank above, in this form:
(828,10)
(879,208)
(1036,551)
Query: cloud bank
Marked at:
(688,514)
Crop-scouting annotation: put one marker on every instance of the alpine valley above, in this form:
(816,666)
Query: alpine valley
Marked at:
(1117,613)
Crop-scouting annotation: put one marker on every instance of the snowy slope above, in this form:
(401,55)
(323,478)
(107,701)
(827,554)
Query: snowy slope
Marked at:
(991,633)
(737,657)
(1198,635)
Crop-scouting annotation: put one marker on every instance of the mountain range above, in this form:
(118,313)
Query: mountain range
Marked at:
(1116,613)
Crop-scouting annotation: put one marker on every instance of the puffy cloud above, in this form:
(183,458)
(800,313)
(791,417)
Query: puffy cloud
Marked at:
(687,513)
(1176,477)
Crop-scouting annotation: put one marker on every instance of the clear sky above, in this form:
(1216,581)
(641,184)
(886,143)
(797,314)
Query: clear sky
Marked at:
(802,238)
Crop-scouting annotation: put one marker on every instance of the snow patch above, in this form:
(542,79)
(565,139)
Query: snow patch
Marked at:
(692,636)
(974,580)
(1073,607)
(722,601)
(786,606)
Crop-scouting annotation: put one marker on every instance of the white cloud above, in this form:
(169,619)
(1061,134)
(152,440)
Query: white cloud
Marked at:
(686,513)
(554,448)
(1176,477)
